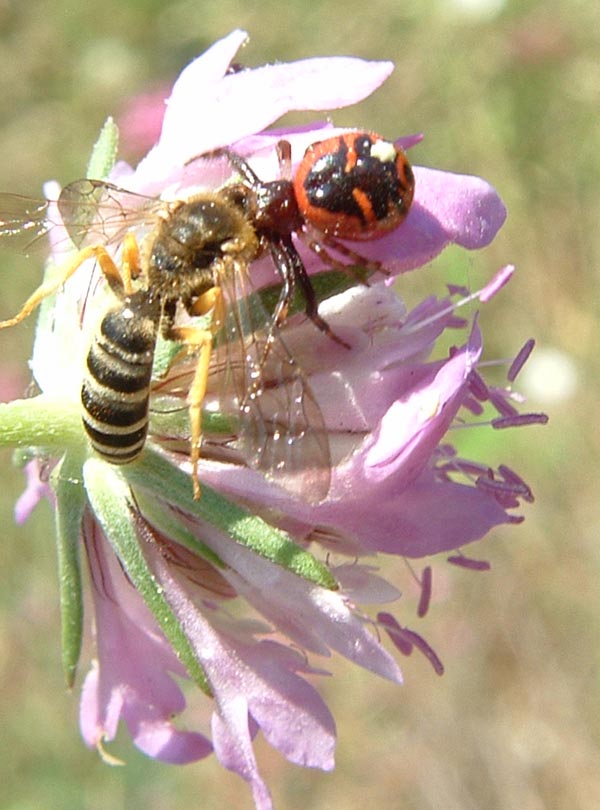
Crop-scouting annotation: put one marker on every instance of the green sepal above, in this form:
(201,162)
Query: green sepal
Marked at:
(70,505)
(104,151)
(114,507)
(164,355)
(45,422)
(167,351)
(170,417)
(165,521)
(164,480)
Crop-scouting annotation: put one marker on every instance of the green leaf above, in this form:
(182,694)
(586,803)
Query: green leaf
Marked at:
(70,505)
(104,152)
(113,505)
(170,484)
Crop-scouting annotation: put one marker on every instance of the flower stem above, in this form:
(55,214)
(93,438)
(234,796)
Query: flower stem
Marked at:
(42,421)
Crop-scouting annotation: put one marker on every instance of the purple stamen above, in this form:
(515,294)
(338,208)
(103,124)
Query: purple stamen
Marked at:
(425,598)
(520,359)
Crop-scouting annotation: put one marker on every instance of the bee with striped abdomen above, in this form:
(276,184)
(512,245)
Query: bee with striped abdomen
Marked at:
(115,391)
(193,260)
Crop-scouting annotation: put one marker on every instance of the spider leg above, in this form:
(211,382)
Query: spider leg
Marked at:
(292,271)
(284,155)
(237,162)
(319,242)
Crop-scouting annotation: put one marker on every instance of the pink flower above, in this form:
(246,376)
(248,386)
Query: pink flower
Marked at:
(164,568)
(137,686)
(210,107)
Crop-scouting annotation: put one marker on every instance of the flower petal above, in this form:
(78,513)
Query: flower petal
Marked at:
(233,747)
(209,107)
(36,488)
(253,683)
(132,680)
(447,209)
(467,207)
(314,617)
(430,517)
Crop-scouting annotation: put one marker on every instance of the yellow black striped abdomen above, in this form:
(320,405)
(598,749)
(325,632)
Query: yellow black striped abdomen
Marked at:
(116,387)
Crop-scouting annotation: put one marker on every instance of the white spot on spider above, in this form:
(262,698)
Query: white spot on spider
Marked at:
(383,151)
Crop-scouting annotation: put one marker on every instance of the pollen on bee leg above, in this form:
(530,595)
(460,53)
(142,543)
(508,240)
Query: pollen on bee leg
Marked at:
(211,300)
(130,265)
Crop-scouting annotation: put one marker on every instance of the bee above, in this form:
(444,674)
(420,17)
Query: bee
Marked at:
(192,259)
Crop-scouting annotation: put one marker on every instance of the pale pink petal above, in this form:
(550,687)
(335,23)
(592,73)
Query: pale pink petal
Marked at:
(37,487)
(314,617)
(233,746)
(363,586)
(133,679)
(430,517)
(253,683)
(413,426)
(468,208)
(209,108)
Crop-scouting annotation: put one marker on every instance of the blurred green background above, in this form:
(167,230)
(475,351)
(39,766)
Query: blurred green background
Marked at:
(506,90)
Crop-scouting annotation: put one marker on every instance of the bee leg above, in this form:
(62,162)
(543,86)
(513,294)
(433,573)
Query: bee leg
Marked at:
(211,300)
(200,340)
(109,269)
(130,263)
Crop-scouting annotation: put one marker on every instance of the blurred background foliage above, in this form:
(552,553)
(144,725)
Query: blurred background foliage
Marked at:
(509,90)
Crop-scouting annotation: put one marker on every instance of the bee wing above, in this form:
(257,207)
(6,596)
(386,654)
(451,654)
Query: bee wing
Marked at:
(282,432)
(23,222)
(98,213)
(92,212)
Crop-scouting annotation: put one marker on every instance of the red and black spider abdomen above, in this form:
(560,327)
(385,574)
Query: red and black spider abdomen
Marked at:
(354,186)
